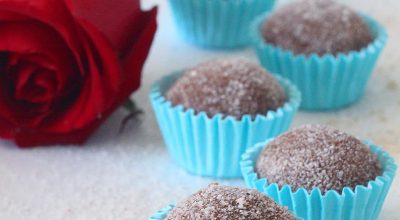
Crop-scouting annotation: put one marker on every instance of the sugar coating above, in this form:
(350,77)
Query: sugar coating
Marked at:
(230,86)
(317,26)
(224,202)
(317,156)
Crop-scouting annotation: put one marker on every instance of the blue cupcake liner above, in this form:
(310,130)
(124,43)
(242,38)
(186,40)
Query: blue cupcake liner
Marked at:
(162,213)
(365,202)
(326,82)
(217,24)
(213,146)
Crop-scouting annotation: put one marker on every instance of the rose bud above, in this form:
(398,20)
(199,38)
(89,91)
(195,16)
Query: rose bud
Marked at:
(65,65)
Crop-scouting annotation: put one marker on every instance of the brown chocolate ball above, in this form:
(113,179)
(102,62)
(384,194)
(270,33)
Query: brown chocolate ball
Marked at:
(317,26)
(232,87)
(224,202)
(317,156)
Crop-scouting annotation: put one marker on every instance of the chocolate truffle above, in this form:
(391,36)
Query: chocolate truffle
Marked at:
(317,156)
(316,26)
(224,202)
(231,86)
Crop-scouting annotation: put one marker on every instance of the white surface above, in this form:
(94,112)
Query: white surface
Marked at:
(131,176)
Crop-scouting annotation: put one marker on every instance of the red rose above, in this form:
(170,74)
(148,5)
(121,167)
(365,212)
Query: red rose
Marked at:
(66,65)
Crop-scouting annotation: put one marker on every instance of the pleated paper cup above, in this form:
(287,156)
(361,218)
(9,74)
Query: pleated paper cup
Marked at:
(326,82)
(162,213)
(216,23)
(213,146)
(364,202)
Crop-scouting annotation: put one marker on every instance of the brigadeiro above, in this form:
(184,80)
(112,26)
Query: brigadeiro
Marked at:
(224,202)
(230,86)
(325,48)
(317,156)
(320,172)
(211,113)
(317,26)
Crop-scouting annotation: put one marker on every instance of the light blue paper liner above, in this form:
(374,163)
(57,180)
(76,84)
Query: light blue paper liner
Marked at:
(213,146)
(365,202)
(216,23)
(162,213)
(327,82)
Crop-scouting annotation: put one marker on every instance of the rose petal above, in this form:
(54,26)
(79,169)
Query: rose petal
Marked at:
(18,113)
(6,128)
(134,60)
(32,38)
(22,74)
(32,137)
(29,38)
(117,20)
(53,13)
(130,30)
(40,89)
(103,83)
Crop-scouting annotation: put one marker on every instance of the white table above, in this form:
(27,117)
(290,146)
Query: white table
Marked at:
(131,176)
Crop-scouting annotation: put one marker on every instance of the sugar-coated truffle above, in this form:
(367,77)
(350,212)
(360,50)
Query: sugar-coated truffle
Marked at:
(316,26)
(317,156)
(232,87)
(224,202)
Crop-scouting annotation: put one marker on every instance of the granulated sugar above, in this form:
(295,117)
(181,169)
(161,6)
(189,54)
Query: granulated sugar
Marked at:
(224,202)
(229,86)
(317,26)
(317,156)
